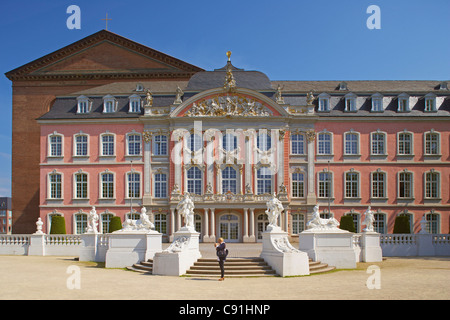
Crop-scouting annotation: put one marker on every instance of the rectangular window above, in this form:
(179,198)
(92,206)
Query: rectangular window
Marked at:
(56,146)
(135,105)
(264,141)
(80,223)
(377,104)
(351,185)
(83,107)
(134,145)
(298,185)
(81,145)
(264,181)
(107,185)
(429,104)
(160,185)
(378,147)
(81,185)
(109,106)
(324,144)
(194,180)
(323,104)
(108,145)
(351,143)
(298,144)
(404,143)
(55,186)
(229,180)
(431,143)
(134,185)
(160,148)
(378,185)
(405,185)
(324,184)
(431,185)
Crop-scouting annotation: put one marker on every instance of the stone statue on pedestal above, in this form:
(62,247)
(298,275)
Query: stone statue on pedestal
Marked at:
(186,209)
(317,223)
(92,222)
(368,220)
(274,209)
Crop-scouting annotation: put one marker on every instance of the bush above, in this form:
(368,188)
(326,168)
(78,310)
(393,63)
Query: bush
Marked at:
(58,225)
(401,225)
(347,223)
(115,224)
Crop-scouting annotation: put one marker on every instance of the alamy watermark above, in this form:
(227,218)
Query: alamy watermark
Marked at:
(374,280)
(374,20)
(74,280)
(74,20)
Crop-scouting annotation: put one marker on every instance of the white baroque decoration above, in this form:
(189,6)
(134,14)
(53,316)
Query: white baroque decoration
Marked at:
(274,209)
(283,245)
(186,209)
(228,106)
(92,221)
(368,220)
(319,224)
(142,225)
(178,244)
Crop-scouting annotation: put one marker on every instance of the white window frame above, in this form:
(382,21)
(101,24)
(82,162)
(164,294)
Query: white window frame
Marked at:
(357,151)
(324,133)
(84,105)
(400,142)
(425,143)
(230,179)
(258,179)
(353,188)
(330,181)
(80,229)
(100,183)
(377,103)
(384,194)
(157,145)
(163,184)
(372,141)
(194,142)
(228,138)
(50,145)
(403,102)
(109,99)
(127,184)
(300,143)
(350,102)
(430,103)
(301,184)
(427,195)
(264,140)
(298,223)
(75,144)
(135,99)
(128,143)
(324,102)
(433,224)
(75,185)
(195,180)
(411,184)
(49,185)
(101,144)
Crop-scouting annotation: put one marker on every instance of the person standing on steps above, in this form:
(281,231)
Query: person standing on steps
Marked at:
(222,253)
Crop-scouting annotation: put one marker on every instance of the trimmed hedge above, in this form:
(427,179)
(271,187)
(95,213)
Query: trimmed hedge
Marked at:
(401,225)
(115,224)
(346,223)
(58,225)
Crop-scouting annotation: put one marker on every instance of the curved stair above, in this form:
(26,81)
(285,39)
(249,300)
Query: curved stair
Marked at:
(234,267)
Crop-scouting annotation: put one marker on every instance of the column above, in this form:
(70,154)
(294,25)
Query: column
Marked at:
(206,220)
(286,220)
(147,138)
(213,227)
(311,196)
(280,160)
(172,224)
(252,225)
(246,237)
(178,221)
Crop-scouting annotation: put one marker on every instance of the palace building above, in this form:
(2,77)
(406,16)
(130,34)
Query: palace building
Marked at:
(139,128)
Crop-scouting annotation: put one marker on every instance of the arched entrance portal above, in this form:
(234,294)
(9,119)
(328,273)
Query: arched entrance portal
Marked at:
(229,227)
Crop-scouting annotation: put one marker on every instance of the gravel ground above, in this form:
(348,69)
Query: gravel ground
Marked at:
(50,277)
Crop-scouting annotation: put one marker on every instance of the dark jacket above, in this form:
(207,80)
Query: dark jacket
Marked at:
(221,247)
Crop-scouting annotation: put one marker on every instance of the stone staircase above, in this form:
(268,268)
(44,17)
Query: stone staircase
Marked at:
(234,267)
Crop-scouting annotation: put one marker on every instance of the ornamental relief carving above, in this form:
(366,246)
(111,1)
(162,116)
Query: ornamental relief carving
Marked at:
(235,105)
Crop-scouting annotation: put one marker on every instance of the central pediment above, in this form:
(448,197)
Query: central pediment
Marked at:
(220,103)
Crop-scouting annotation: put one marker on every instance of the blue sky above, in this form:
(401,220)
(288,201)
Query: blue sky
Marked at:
(286,39)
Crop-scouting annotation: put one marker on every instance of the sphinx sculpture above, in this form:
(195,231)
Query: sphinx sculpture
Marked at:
(319,224)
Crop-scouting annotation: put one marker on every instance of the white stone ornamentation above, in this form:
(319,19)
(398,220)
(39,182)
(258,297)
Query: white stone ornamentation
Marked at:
(92,221)
(319,224)
(39,225)
(186,209)
(368,220)
(274,209)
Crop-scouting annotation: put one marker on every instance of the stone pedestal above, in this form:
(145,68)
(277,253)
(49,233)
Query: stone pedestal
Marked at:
(37,245)
(371,249)
(334,247)
(248,239)
(180,255)
(127,248)
(281,255)
(88,250)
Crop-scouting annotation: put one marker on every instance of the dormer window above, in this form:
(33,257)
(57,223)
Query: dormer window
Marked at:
(377,102)
(343,86)
(443,86)
(430,102)
(403,103)
(350,102)
(324,102)
(109,104)
(139,87)
(83,105)
(135,104)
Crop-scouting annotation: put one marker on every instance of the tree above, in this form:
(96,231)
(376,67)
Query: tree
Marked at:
(347,223)
(58,225)
(115,224)
(401,224)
